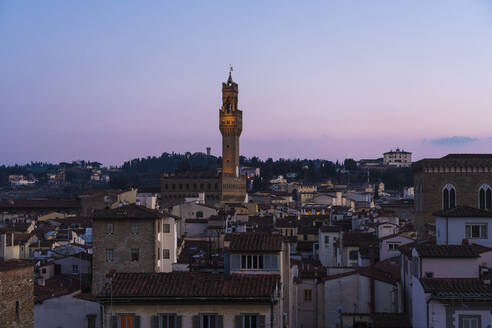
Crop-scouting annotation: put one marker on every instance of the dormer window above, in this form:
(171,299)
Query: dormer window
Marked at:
(448,197)
(251,262)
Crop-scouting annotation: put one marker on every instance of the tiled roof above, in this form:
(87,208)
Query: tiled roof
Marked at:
(457,288)
(464,212)
(448,251)
(255,242)
(40,204)
(14,265)
(455,160)
(20,238)
(387,270)
(359,239)
(191,285)
(56,287)
(288,222)
(131,211)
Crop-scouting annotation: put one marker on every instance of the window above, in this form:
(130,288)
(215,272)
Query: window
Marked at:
(166,228)
(250,321)
(448,197)
(166,320)
(109,255)
(135,228)
(110,228)
(478,231)
(91,320)
(393,246)
(308,295)
(485,197)
(75,268)
(327,241)
(353,255)
(158,253)
(209,321)
(134,254)
(125,321)
(470,321)
(165,253)
(43,270)
(254,262)
(199,214)
(17,308)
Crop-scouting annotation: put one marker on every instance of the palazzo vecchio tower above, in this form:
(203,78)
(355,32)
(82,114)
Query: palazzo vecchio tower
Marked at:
(231,126)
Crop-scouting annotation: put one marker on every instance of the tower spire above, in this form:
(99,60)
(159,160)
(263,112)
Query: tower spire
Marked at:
(231,69)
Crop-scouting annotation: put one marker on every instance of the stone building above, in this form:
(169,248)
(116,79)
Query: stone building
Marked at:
(229,186)
(16,294)
(450,181)
(132,238)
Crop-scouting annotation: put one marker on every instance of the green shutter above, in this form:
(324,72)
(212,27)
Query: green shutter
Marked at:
(262,320)
(196,321)
(220,321)
(238,321)
(235,262)
(267,261)
(114,322)
(275,261)
(154,321)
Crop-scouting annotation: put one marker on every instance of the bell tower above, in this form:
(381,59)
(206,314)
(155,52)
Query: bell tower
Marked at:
(231,126)
(233,185)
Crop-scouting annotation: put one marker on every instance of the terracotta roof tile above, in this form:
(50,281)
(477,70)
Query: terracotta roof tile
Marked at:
(457,288)
(191,285)
(361,239)
(131,211)
(448,251)
(255,242)
(464,212)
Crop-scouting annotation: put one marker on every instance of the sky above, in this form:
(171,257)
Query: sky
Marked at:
(115,80)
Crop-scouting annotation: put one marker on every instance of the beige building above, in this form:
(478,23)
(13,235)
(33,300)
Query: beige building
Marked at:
(132,239)
(191,299)
(397,158)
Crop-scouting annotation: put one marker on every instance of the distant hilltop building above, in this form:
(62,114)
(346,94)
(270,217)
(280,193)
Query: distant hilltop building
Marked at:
(230,185)
(398,158)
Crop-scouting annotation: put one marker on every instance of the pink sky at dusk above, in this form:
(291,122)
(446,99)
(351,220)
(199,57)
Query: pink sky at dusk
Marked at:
(113,81)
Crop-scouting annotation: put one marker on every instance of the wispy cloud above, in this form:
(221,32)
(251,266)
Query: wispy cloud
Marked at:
(449,141)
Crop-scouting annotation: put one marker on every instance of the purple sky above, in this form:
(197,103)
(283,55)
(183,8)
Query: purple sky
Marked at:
(114,80)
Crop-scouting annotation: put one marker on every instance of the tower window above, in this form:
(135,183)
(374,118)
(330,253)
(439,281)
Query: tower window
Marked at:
(448,197)
(485,197)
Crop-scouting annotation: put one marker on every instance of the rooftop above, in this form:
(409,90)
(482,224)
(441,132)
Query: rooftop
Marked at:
(131,211)
(191,285)
(255,242)
(464,212)
(450,251)
(457,288)
(14,265)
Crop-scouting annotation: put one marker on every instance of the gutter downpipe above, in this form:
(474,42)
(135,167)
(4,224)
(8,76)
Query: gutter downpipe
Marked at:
(271,310)
(428,301)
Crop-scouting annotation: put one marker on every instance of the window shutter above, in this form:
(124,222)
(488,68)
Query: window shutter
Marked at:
(261,320)
(238,321)
(220,321)
(267,261)
(274,265)
(196,321)
(137,322)
(154,321)
(114,322)
(179,321)
(235,261)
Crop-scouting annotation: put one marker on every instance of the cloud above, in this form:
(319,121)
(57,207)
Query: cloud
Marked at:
(449,141)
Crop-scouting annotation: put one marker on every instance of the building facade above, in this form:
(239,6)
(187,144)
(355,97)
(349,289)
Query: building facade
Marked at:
(132,239)
(450,181)
(398,158)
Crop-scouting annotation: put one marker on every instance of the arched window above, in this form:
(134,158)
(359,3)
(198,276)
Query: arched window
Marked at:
(448,197)
(485,197)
